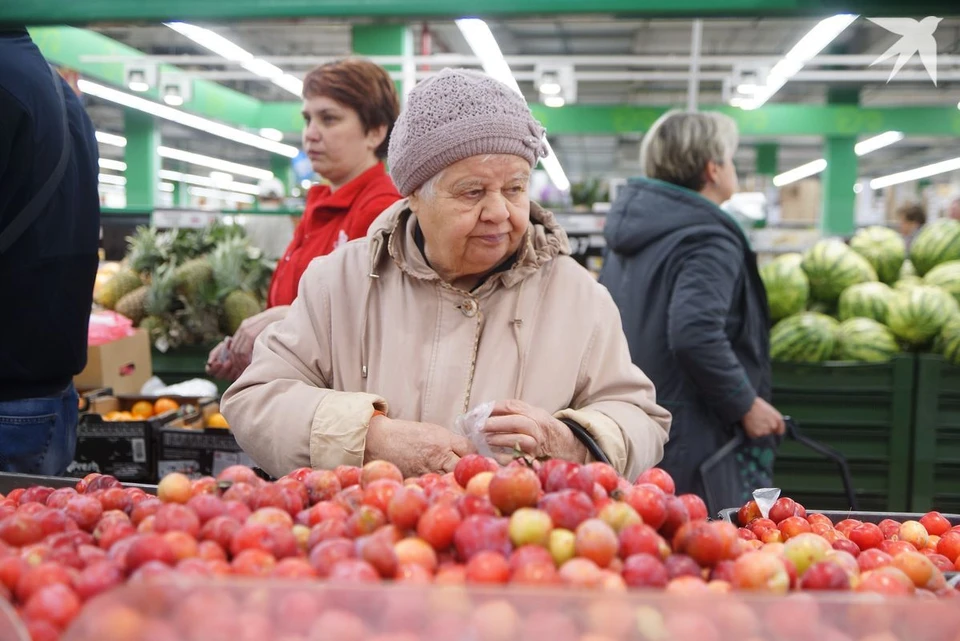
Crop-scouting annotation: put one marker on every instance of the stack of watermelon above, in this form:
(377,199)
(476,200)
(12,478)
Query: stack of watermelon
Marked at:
(867,301)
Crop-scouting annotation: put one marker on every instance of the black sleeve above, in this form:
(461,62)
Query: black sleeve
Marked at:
(696,318)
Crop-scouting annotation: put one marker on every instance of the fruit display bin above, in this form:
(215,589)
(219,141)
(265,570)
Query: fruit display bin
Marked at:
(864,412)
(9,482)
(11,628)
(730,515)
(936,435)
(187,611)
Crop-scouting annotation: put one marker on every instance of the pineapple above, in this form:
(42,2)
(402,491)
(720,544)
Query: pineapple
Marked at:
(233,286)
(122,283)
(132,304)
(147,249)
(160,297)
(190,277)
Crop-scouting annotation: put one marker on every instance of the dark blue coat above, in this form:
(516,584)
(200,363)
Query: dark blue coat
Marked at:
(46,276)
(695,314)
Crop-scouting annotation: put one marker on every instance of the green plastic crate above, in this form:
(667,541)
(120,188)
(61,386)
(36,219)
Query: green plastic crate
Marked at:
(936,436)
(864,411)
(183,364)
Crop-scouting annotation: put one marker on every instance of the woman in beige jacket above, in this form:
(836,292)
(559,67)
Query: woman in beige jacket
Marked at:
(462,293)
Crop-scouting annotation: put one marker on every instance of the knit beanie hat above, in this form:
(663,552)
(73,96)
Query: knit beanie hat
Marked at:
(456,114)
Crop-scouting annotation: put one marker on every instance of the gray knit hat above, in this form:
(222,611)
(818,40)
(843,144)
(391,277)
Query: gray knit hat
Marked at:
(456,114)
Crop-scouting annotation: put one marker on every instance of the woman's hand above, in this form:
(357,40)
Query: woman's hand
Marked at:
(220,364)
(416,448)
(532,430)
(241,347)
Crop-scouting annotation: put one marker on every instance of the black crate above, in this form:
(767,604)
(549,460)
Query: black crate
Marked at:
(836,516)
(197,452)
(124,450)
(9,482)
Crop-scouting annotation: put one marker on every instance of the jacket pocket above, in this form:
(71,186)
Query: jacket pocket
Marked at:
(26,430)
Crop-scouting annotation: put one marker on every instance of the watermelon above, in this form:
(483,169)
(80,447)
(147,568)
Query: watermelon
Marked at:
(866,300)
(936,243)
(949,340)
(906,282)
(916,315)
(831,267)
(807,337)
(883,248)
(786,284)
(865,340)
(946,276)
(907,269)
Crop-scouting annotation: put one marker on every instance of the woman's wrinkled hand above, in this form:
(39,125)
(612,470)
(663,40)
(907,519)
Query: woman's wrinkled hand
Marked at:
(416,448)
(532,430)
(241,347)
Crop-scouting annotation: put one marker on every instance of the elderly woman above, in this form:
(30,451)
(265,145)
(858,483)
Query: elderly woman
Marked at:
(694,308)
(462,293)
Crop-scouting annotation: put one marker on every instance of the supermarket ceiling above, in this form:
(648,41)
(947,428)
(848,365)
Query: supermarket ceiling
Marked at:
(602,61)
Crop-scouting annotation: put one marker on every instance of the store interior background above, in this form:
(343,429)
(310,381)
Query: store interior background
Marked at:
(613,75)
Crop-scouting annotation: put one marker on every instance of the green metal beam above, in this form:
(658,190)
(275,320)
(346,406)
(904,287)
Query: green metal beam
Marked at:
(767,157)
(770,120)
(86,11)
(839,199)
(141,157)
(67,45)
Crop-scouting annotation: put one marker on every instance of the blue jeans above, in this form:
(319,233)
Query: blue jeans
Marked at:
(39,435)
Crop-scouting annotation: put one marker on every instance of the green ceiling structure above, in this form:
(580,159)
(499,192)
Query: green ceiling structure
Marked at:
(87,11)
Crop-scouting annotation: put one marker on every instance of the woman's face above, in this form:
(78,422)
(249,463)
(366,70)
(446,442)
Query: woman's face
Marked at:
(334,140)
(721,180)
(476,216)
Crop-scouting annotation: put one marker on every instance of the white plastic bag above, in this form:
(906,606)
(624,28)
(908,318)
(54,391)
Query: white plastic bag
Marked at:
(194,387)
(765,498)
(471,425)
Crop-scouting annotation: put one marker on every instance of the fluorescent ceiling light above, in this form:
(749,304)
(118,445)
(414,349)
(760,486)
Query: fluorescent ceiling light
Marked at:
(272,134)
(110,179)
(167,187)
(111,139)
(801,172)
(227,49)
(116,165)
(550,88)
(220,194)
(916,174)
(173,99)
(809,46)
(213,163)
(206,181)
(877,142)
(554,101)
(221,177)
(186,119)
(484,46)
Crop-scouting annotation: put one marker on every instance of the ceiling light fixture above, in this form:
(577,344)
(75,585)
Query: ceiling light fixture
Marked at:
(111,139)
(484,46)
(926,171)
(110,179)
(799,173)
(221,195)
(213,163)
(223,47)
(115,165)
(878,142)
(553,101)
(206,181)
(186,119)
(272,134)
(809,46)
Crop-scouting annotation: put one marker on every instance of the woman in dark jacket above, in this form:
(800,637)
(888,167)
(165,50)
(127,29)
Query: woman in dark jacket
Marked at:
(693,306)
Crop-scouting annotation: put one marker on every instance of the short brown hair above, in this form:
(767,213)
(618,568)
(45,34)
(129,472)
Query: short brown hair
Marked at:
(362,86)
(913,213)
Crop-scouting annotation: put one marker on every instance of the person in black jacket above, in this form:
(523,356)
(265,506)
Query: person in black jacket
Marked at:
(693,306)
(49,236)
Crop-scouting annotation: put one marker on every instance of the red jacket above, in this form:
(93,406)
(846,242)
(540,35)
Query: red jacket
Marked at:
(329,220)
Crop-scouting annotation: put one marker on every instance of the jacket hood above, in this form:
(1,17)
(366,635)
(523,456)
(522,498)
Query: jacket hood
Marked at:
(393,233)
(647,210)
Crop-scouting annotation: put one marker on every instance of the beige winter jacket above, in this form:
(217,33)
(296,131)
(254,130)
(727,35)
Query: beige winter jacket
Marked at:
(373,327)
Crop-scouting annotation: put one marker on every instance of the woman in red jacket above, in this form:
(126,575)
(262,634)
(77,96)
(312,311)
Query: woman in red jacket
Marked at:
(349,108)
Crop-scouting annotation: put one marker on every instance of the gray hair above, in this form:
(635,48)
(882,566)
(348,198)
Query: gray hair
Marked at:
(679,145)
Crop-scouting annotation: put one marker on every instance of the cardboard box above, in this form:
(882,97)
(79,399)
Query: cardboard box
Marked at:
(123,365)
(197,453)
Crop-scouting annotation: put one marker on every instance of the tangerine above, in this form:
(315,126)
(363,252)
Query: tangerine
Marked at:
(218,420)
(143,409)
(164,405)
